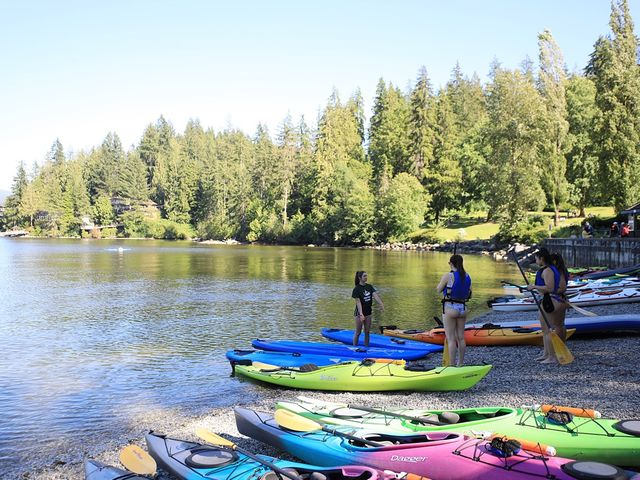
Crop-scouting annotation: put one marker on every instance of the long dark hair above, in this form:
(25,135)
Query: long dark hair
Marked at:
(359,274)
(544,254)
(558,261)
(456,261)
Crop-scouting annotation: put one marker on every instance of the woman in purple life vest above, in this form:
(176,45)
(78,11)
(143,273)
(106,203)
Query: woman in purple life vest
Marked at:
(455,286)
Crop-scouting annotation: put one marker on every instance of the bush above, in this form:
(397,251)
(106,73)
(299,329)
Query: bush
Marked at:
(425,236)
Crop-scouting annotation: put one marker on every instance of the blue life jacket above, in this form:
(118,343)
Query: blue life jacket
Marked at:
(460,291)
(556,277)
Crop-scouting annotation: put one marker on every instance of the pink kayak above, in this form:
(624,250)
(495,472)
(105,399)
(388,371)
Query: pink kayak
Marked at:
(437,455)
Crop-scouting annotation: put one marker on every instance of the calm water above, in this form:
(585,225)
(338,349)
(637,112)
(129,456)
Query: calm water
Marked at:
(92,333)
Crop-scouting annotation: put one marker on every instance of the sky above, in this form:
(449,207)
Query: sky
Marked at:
(75,70)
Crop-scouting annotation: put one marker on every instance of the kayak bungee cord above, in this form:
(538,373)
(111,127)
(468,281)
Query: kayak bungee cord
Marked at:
(521,456)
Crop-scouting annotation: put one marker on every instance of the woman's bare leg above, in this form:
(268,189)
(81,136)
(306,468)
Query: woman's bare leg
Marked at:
(357,331)
(450,325)
(367,329)
(462,344)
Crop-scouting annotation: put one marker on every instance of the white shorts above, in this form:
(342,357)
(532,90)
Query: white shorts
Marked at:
(461,308)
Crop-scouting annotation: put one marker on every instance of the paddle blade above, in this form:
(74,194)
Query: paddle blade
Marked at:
(445,354)
(137,460)
(562,352)
(292,421)
(210,437)
(265,366)
(582,310)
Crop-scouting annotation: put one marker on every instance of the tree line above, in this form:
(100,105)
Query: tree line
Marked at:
(527,139)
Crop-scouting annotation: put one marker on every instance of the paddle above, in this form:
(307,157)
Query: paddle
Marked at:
(563,354)
(214,439)
(137,460)
(575,307)
(293,421)
(384,412)
(308,367)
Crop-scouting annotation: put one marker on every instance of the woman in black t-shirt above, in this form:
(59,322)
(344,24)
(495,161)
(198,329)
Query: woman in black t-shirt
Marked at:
(364,294)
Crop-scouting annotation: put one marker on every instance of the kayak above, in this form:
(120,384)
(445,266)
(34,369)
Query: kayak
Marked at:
(477,336)
(616,271)
(191,461)
(588,298)
(283,359)
(343,351)
(577,285)
(439,455)
(369,376)
(375,340)
(95,470)
(598,439)
(582,325)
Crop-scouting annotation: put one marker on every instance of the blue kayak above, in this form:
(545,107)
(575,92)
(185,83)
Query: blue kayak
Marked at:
(285,359)
(584,325)
(376,340)
(339,350)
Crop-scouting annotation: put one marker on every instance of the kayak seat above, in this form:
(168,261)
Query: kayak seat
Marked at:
(317,476)
(449,418)
(271,475)
(309,367)
(207,457)
(630,427)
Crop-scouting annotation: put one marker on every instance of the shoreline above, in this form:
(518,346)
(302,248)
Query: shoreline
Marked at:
(604,376)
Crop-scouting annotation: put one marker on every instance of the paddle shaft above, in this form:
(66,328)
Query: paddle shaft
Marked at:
(575,307)
(533,292)
(266,463)
(393,414)
(338,433)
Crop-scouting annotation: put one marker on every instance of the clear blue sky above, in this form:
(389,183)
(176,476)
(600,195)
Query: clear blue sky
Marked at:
(77,69)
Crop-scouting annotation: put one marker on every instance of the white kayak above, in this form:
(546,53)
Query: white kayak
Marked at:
(584,298)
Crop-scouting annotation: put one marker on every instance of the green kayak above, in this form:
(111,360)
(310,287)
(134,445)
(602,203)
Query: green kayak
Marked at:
(368,376)
(581,438)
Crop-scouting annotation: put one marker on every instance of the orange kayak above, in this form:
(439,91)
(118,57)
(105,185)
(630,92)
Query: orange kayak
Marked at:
(477,336)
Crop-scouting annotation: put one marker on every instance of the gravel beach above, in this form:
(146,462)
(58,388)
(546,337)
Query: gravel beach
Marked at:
(604,376)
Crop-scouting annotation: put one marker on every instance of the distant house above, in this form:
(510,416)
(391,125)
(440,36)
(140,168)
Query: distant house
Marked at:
(148,208)
(632,214)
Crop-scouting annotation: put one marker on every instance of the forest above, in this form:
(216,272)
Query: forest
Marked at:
(532,138)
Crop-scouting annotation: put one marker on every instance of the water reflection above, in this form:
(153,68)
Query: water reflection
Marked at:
(95,333)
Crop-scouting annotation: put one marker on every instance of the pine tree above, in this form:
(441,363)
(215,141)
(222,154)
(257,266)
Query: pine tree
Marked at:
(421,126)
(551,84)
(443,178)
(388,134)
(613,68)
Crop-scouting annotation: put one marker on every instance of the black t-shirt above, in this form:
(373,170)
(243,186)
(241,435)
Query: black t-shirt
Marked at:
(365,294)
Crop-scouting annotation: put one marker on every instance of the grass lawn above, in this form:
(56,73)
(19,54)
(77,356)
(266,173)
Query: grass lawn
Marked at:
(474,227)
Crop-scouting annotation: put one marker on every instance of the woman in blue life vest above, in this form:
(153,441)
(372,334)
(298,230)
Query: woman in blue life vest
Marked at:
(551,280)
(363,294)
(456,288)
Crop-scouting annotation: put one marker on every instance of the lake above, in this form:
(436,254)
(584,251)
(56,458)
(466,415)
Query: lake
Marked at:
(93,333)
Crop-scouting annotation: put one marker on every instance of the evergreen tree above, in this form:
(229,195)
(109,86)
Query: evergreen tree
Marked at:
(468,104)
(343,203)
(422,126)
(388,134)
(443,178)
(614,70)
(582,163)
(154,149)
(14,214)
(551,84)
